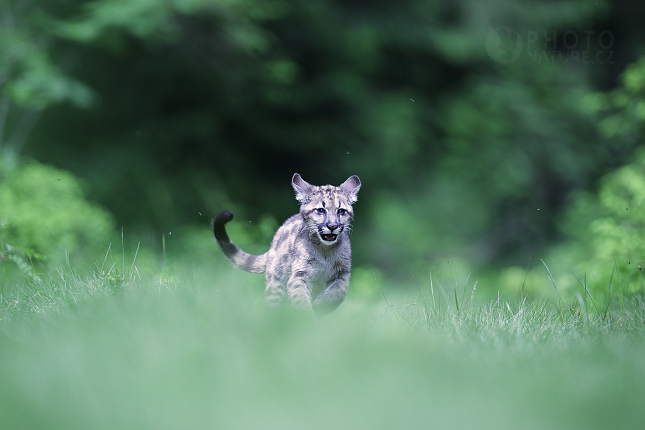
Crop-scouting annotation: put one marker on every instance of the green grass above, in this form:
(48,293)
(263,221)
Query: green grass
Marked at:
(192,346)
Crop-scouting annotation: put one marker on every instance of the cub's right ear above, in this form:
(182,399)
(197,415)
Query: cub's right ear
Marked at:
(302,188)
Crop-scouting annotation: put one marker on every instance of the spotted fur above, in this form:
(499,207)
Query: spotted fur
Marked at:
(308,263)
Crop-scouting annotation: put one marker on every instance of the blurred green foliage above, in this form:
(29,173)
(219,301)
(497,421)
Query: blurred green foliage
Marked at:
(610,225)
(624,108)
(45,212)
(23,260)
(603,229)
(28,75)
(193,106)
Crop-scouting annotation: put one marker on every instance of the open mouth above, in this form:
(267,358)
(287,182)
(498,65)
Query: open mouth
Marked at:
(329,237)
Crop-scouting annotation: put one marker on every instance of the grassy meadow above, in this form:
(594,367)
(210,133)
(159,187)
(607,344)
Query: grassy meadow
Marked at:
(191,345)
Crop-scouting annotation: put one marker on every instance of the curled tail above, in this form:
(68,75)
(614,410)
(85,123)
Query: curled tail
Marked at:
(239,258)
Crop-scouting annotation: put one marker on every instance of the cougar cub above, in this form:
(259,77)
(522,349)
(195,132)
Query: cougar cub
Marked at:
(309,261)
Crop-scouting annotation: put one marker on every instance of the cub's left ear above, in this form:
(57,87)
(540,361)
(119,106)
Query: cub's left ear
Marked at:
(350,187)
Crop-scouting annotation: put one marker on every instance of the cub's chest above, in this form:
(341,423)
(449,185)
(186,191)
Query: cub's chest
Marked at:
(322,273)
(326,268)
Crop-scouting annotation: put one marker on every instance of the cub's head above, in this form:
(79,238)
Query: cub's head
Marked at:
(326,210)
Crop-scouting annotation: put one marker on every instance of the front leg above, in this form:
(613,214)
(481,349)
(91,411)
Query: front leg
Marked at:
(333,295)
(299,290)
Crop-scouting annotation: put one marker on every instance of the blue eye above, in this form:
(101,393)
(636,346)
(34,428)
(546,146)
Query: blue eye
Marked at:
(320,210)
(341,211)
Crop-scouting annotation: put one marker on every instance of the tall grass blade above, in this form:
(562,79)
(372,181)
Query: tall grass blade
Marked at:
(456,279)
(122,251)
(457,301)
(135,257)
(583,304)
(584,285)
(106,255)
(611,279)
(434,303)
(463,296)
(472,294)
(163,245)
(425,305)
(552,279)
(526,275)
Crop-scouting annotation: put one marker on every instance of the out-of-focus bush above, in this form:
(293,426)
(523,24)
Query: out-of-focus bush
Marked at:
(607,230)
(604,230)
(46,212)
(624,108)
